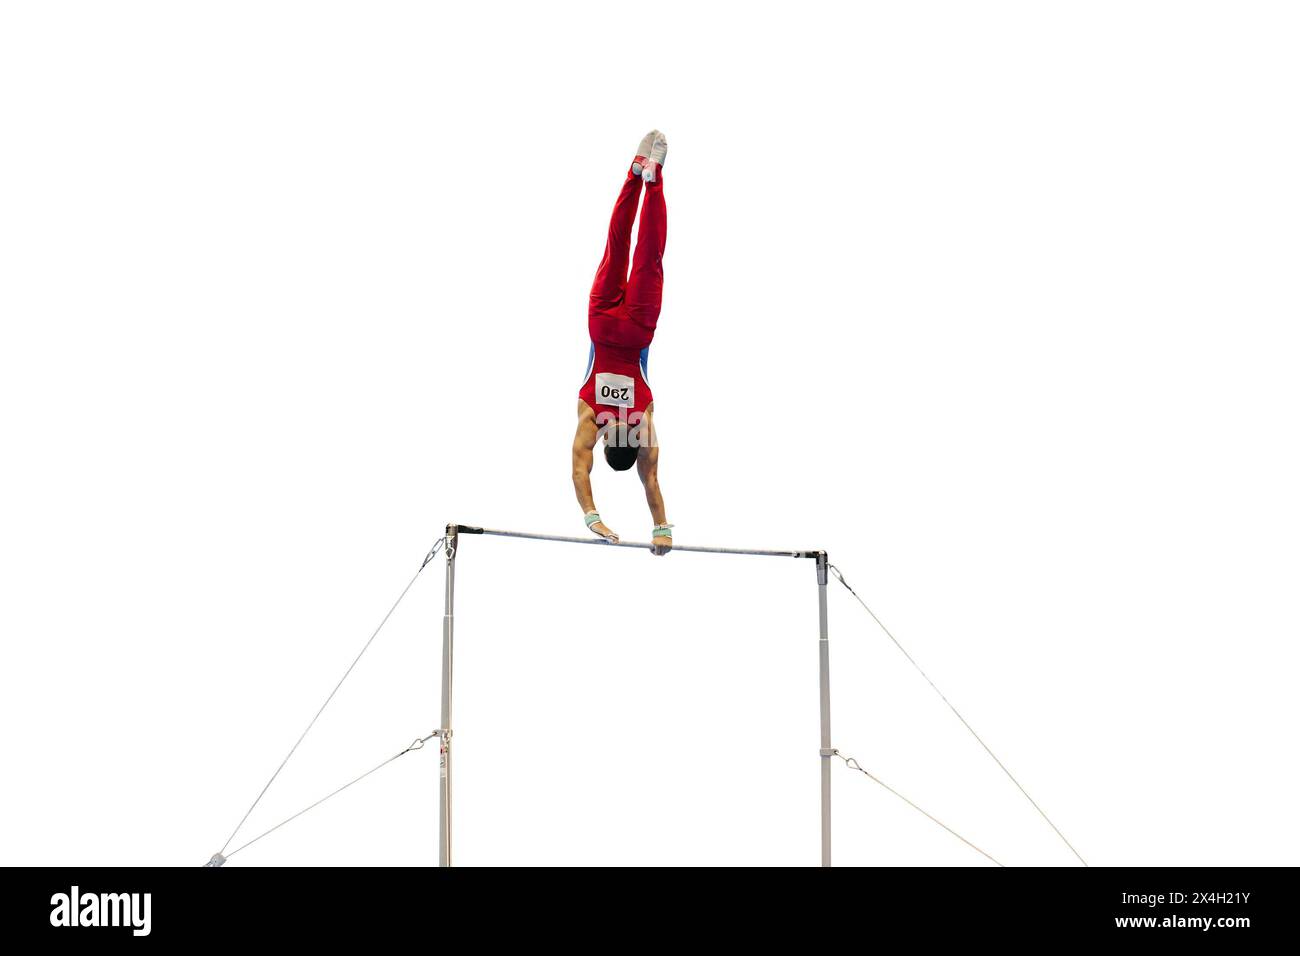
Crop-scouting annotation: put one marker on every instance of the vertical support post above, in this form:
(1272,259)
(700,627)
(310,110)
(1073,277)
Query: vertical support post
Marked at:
(824,677)
(444,729)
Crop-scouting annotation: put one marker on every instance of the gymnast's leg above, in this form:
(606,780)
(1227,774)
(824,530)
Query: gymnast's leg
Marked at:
(611,277)
(645,288)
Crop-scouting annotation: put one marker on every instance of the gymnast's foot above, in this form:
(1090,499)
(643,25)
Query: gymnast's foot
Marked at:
(643,152)
(655,158)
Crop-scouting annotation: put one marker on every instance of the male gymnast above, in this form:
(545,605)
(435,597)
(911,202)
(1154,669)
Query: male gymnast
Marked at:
(615,404)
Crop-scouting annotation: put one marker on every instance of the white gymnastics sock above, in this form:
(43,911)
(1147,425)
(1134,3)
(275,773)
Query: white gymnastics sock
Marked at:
(643,151)
(655,158)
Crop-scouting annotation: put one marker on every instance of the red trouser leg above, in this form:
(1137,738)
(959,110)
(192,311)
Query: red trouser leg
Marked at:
(645,288)
(611,278)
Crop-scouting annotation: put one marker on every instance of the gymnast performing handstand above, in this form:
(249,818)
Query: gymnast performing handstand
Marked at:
(615,404)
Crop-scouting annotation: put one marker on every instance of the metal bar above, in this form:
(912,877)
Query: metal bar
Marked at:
(824,681)
(470,529)
(444,731)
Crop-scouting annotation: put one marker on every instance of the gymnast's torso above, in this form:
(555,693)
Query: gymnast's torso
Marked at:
(616,379)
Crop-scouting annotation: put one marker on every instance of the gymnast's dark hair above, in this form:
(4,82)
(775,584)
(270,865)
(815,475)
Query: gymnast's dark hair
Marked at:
(620,457)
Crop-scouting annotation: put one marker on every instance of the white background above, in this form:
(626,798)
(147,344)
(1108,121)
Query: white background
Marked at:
(995,302)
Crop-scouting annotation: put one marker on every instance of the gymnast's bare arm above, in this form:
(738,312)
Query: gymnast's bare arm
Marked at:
(584,442)
(647,466)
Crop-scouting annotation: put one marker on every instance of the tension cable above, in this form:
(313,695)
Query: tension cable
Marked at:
(441,542)
(840,577)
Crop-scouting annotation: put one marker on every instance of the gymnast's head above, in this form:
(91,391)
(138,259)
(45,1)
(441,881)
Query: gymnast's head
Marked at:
(620,447)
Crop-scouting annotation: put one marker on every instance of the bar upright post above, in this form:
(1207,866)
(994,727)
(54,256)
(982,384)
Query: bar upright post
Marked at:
(444,729)
(824,679)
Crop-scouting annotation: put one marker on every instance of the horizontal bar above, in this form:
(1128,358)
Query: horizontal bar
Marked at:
(472,529)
